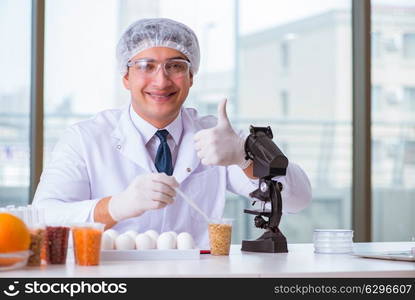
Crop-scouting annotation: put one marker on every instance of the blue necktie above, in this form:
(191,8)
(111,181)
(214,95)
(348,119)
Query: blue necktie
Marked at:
(163,157)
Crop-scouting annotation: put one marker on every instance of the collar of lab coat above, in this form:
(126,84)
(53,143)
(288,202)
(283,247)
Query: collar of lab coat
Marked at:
(148,131)
(131,144)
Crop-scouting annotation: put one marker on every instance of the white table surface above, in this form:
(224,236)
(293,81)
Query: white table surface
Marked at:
(300,261)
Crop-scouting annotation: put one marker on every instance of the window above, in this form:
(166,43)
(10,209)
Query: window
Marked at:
(376,45)
(285,55)
(314,43)
(392,173)
(409,157)
(211,108)
(409,45)
(15,20)
(376,98)
(80,73)
(284,107)
(409,98)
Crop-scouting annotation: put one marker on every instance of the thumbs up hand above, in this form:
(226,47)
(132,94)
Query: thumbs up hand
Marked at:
(220,145)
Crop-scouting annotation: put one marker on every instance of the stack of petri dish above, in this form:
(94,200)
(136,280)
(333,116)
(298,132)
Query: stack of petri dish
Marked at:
(338,241)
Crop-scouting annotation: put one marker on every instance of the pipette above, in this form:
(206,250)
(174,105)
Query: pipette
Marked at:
(192,204)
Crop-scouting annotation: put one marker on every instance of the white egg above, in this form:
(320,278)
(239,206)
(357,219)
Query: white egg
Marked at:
(131,233)
(107,242)
(173,233)
(166,240)
(124,242)
(113,233)
(143,242)
(185,241)
(153,234)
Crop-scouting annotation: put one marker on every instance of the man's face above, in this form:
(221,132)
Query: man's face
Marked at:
(157,98)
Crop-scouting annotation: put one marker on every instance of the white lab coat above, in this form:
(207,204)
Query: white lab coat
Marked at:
(100,156)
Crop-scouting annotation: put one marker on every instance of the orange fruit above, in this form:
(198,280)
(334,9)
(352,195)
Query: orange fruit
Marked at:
(14,235)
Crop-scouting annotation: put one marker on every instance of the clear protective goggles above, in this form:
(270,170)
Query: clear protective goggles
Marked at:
(173,68)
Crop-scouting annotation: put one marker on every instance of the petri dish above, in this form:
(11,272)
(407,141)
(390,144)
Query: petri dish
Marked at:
(333,240)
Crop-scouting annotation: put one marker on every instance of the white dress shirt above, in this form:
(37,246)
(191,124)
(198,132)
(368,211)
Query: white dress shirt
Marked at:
(151,141)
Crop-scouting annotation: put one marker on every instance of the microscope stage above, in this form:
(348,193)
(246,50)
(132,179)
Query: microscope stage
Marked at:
(258,212)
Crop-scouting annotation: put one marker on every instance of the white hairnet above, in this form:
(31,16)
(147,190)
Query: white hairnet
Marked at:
(159,32)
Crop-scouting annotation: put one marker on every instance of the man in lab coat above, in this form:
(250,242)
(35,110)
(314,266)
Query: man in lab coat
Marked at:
(122,166)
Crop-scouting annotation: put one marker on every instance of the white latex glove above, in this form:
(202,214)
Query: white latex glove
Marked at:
(145,192)
(220,145)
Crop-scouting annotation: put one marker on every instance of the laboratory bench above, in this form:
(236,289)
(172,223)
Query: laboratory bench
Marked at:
(300,261)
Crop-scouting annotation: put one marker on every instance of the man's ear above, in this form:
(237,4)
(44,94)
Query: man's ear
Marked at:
(191,79)
(126,81)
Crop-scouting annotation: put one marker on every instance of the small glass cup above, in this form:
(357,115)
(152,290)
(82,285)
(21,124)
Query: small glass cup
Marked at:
(37,238)
(87,243)
(220,236)
(34,219)
(56,244)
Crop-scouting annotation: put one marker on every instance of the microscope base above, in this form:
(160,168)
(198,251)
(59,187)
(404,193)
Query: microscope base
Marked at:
(270,242)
